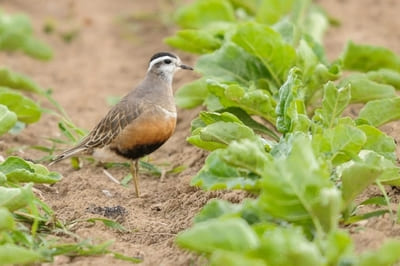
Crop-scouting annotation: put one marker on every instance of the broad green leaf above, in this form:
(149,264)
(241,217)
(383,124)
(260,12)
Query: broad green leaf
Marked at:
(219,134)
(277,56)
(215,208)
(232,234)
(364,90)
(251,6)
(379,142)
(389,110)
(288,246)
(16,198)
(385,76)
(253,101)
(250,122)
(18,170)
(229,258)
(341,143)
(357,175)
(333,104)
(16,34)
(247,154)
(6,220)
(11,254)
(296,187)
(195,41)
(192,94)
(231,63)
(217,174)
(338,247)
(291,111)
(367,57)
(26,109)
(7,119)
(202,13)
(270,11)
(18,81)
(388,254)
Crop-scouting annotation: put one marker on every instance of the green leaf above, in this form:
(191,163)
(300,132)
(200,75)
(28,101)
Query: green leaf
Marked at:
(7,119)
(16,34)
(364,90)
(389,110)
(191,94)
(6,220)
(229,258)
(217,174)
(277,56)
(195,41)
(379,142)
(215,208)
(219,135)
(340,143)
(333,104)
(253,101)
(109,223)
(11,254)
(357,175)
(18,170)
(16,198)
(270,11)
(18,81)
(296,187)
(250,122)
(288,246)
(227,65)
(388,254)
(385,76)
(291,111)
(26,109)
(202,13)
(366,58)
(232,234)
(123,257)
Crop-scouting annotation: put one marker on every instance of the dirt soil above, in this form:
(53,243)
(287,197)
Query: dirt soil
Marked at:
(107,57)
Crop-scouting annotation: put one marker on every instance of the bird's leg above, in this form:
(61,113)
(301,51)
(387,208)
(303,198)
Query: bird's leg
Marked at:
(134,172)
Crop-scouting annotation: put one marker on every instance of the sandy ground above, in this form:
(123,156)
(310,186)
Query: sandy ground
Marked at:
(107,58)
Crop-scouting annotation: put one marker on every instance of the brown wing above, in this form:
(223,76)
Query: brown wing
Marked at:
(107,129)
(113,123)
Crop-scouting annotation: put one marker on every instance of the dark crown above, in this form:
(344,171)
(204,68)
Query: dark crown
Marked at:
(161,54)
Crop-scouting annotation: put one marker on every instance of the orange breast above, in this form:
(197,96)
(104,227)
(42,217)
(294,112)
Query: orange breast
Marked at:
(144,135)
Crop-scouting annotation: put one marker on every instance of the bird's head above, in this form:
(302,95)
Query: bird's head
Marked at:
(165,64)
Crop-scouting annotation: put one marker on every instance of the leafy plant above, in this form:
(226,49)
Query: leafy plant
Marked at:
(277,126)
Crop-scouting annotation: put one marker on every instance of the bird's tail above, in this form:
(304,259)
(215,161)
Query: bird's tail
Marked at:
(68,153)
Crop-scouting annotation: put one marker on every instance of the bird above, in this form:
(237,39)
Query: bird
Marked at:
(140,123)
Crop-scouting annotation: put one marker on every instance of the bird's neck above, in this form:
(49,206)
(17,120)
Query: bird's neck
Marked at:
(162,76)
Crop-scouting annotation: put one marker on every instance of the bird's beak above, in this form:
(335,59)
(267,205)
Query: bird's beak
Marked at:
(186,67)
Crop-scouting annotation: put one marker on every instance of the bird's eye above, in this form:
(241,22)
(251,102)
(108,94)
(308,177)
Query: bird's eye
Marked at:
(167,61)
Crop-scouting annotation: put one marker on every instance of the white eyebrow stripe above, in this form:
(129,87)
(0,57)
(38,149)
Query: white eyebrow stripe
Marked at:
(157,60)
